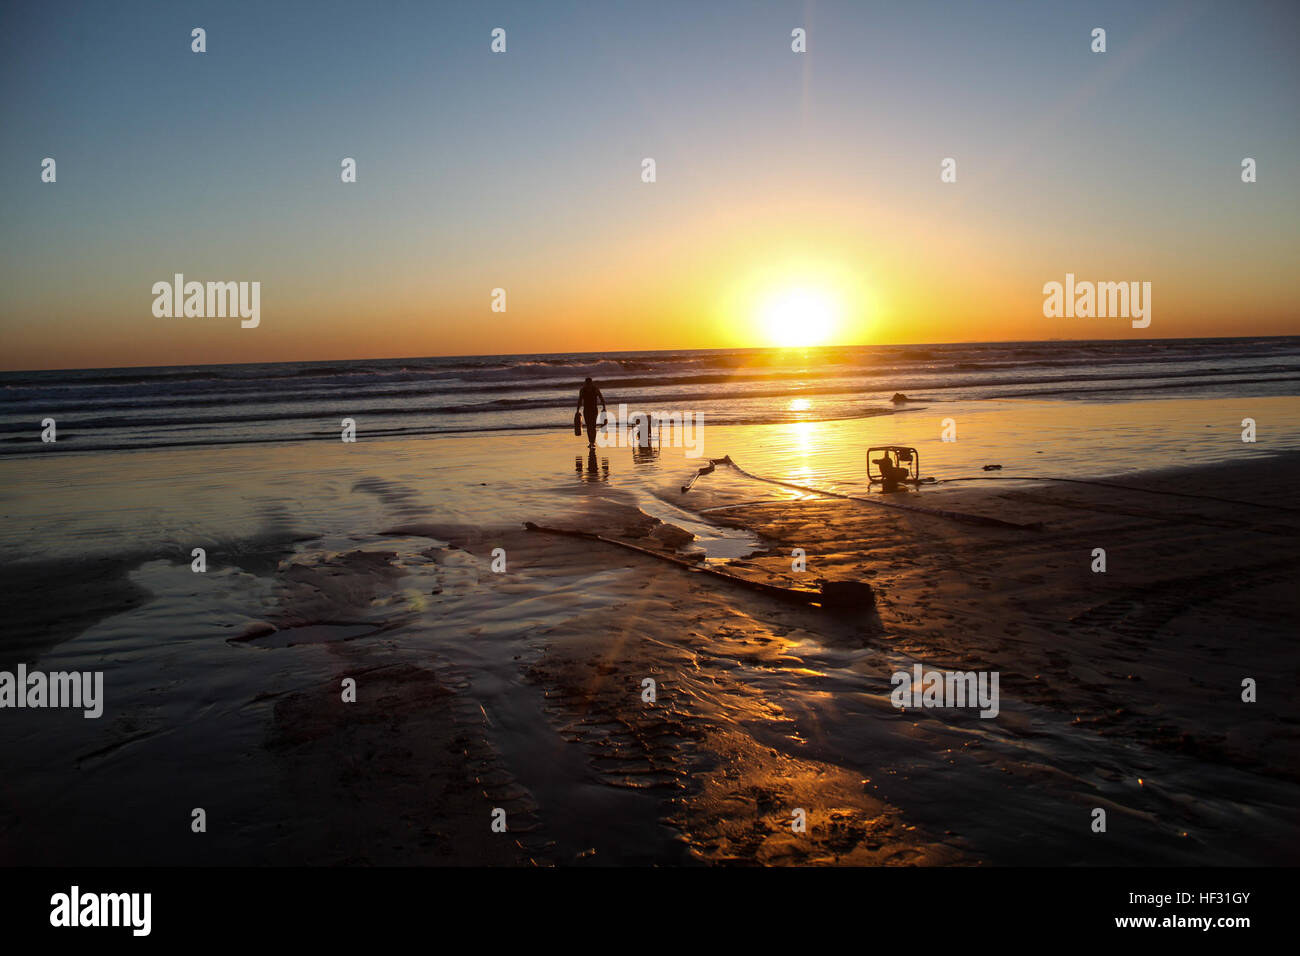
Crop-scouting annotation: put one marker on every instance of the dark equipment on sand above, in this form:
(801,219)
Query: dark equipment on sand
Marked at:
(876,502)
(895,465)
(985,520)
(833,595)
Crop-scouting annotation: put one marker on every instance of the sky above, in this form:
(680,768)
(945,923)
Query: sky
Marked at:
(797,196)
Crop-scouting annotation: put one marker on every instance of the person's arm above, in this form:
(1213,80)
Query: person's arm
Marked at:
(601,396)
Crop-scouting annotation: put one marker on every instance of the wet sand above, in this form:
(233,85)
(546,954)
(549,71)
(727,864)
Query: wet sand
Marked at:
(523,690)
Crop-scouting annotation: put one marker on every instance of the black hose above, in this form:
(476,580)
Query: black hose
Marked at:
(939,512)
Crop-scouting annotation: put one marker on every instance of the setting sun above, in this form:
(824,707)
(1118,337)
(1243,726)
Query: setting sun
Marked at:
(800,317)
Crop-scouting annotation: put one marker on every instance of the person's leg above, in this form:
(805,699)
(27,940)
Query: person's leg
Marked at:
(589,417)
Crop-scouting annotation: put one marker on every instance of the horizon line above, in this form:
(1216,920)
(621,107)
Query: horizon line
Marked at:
(756,348)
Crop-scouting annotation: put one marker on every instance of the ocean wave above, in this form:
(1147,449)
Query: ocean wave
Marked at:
(468,393)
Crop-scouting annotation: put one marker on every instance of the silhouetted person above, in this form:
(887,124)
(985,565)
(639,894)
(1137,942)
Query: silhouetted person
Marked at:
(588,396)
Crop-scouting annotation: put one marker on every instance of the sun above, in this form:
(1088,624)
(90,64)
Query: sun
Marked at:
(799,318)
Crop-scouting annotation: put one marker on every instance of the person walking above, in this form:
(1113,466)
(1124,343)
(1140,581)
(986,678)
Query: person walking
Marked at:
(588,396)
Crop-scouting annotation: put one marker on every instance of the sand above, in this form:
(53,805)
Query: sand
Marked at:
(524,690)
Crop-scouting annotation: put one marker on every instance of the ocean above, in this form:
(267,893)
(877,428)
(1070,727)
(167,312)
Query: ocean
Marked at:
(135,408)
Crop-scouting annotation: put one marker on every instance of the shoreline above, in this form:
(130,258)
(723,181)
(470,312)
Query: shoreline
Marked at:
(523,690)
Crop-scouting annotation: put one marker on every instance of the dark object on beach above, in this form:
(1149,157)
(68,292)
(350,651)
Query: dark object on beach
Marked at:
(707,469)
(671,536)
(847,593)
(992,467)
(899,398)
(896,465)
(877,502)
(577,423)
(833,595)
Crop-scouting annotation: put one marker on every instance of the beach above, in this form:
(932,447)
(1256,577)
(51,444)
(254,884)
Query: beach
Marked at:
(523,689)
(471,442)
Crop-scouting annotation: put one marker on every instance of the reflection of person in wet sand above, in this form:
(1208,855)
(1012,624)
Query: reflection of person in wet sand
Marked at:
(594,471)
(588,396)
